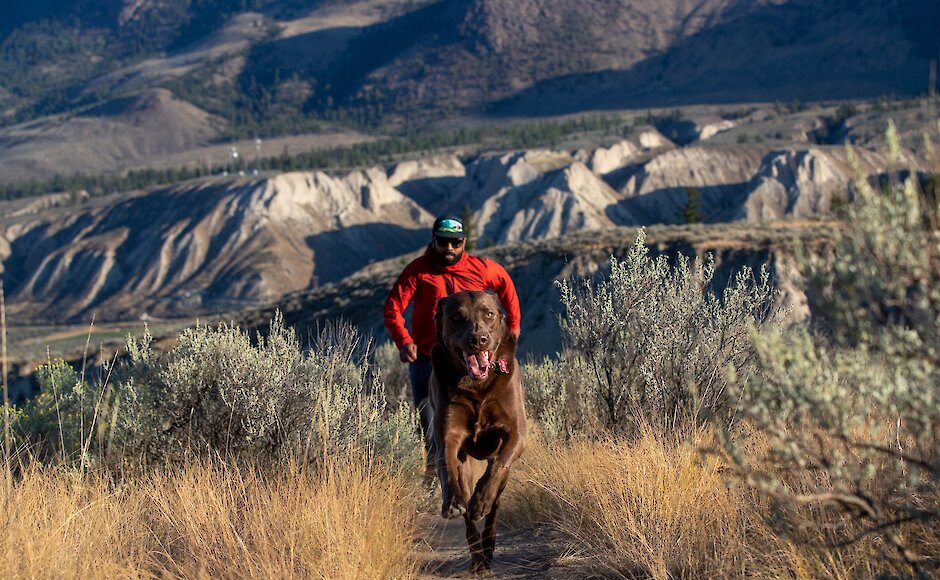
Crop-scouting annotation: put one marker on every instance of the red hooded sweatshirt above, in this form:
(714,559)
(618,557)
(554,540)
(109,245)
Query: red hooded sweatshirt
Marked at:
(426,282)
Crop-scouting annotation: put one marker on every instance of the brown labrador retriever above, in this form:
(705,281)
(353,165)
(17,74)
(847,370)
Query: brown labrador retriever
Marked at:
(476,396)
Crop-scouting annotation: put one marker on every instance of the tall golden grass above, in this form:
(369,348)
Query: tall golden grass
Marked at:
(657,507)
(350,519)
(649,508)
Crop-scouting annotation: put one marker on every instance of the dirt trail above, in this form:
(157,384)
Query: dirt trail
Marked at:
(530,552)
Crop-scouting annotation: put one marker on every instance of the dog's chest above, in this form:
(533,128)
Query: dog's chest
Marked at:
(486,431)
(485,417)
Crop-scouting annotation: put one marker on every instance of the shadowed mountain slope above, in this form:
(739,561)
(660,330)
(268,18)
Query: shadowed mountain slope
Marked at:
(262,65)
(535,57)
(758,52)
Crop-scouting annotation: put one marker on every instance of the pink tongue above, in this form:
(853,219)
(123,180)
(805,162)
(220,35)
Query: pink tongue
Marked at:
(478,365)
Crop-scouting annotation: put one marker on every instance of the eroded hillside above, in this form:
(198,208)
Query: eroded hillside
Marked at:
(222,244)
(204,247)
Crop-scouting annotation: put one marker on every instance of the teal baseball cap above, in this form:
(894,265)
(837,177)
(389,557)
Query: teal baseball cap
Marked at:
(448,227)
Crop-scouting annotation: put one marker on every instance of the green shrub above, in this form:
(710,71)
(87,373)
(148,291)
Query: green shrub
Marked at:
(52,424)
(559,400)
(652,341)
(691,212)
(218,392)
(393,373)
(851,415)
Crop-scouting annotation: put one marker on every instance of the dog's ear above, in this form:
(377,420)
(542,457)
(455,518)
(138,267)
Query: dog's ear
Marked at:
(499,304)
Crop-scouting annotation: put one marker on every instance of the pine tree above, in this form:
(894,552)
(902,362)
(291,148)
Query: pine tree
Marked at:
(692,210)
(466,216)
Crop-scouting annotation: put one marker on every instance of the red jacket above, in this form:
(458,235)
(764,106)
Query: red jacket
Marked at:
(425,282)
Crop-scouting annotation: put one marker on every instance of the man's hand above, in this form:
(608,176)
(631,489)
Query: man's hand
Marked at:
(408,353)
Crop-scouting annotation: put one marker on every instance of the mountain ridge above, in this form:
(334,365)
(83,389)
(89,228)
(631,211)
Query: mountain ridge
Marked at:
(411,61)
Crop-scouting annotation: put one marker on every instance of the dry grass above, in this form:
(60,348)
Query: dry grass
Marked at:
(655,507)
(211,520)
(650,508)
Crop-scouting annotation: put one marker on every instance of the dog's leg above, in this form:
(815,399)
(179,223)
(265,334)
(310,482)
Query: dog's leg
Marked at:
(489,529)
(478,561)
(465,477)
(497,473)
(448,440)
(453,501)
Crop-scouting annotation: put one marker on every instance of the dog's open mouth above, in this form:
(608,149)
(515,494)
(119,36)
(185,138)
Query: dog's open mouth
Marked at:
(478,364)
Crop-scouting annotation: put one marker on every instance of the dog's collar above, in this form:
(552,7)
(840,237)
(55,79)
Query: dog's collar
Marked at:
(500,365)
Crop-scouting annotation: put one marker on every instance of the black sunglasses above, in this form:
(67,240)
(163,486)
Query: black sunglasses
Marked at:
(444,242)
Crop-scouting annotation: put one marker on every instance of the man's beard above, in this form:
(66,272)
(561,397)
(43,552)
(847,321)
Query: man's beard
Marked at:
(448,258)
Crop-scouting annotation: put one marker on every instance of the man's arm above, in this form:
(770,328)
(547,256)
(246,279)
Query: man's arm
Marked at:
(394,314)
(506,290)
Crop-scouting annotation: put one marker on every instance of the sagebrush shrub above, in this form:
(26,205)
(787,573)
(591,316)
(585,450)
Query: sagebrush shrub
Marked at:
(559,399)
(53,422)
(855,410)
(216,391)
(656,342)
(219,392)
(393,373)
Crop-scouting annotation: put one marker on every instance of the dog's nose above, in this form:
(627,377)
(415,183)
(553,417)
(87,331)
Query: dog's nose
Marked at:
(480,340)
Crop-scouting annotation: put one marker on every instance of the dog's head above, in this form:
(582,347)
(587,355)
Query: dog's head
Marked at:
(471,327)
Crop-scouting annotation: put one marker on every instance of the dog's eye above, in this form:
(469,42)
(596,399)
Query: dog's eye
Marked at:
(490,314)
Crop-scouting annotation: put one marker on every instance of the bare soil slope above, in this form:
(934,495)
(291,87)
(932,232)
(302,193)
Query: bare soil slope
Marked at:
(209,245)
(120,133)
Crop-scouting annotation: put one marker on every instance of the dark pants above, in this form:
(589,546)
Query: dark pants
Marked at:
(420,373)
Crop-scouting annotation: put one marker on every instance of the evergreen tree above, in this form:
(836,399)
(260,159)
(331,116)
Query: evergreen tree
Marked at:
(692,210)
(466,216)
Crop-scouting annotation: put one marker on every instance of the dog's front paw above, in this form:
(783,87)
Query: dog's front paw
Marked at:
(480,505)
(480,566)
(452,507)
